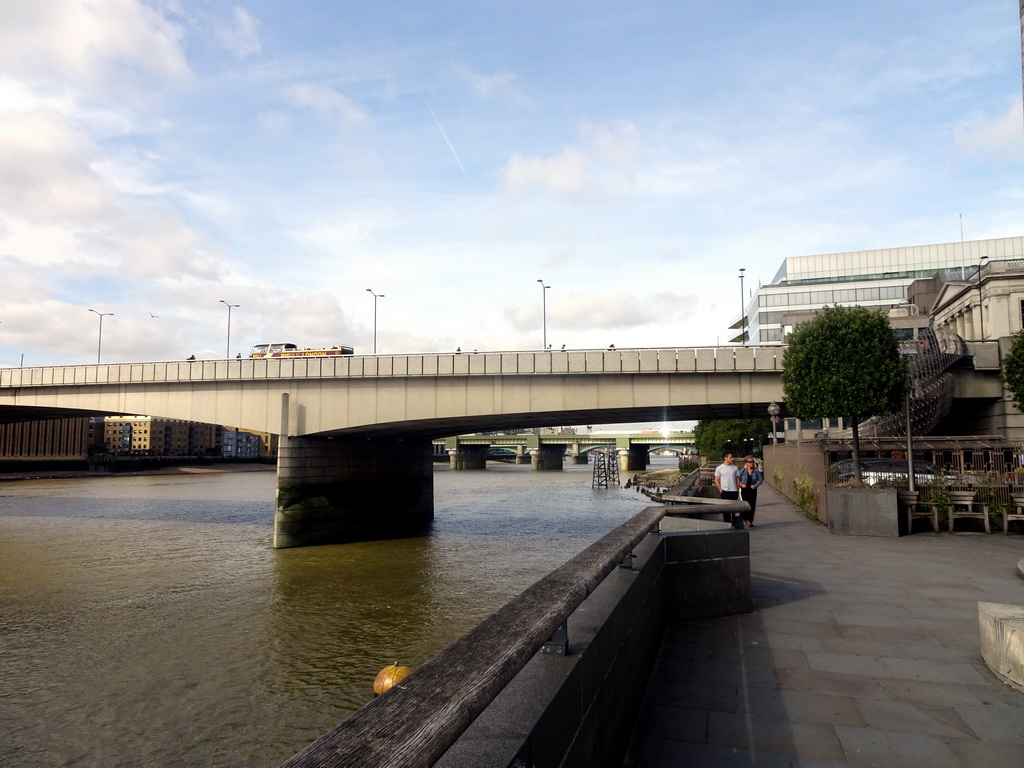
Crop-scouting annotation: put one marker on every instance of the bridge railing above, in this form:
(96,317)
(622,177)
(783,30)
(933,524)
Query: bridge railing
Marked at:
(533,363)
(415,723)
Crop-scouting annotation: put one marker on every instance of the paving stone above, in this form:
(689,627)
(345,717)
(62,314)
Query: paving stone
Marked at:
(734,673)
(874,646)
(988,754)
(786,737)
(848,663)
(883,632)
(944,722)
(681,754)
(830,682)
(801,707)
(861,646)
(895,749)
(934,651)
(935,671)
(995,722)
(797,627)
(714,698)
(927,692)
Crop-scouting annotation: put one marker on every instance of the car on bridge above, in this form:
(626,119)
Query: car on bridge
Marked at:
(886,472)
(883,472)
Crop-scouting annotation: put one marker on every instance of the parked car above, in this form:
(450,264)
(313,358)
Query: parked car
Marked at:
(885,471)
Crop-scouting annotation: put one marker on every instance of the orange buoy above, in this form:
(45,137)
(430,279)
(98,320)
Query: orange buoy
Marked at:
(388,678)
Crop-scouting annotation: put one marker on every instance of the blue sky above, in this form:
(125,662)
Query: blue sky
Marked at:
(159,157)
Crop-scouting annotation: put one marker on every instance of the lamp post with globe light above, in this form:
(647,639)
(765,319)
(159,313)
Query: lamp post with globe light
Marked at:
(773,413)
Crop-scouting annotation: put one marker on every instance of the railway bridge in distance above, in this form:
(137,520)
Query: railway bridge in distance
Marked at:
(546,452)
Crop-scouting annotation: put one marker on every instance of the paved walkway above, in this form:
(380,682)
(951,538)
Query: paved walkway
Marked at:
(861,651)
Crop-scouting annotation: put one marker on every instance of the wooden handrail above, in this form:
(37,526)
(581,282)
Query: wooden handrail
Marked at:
(416,722)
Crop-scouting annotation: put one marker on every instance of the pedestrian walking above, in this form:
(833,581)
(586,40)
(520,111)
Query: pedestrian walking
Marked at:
(727,482)
(750,479)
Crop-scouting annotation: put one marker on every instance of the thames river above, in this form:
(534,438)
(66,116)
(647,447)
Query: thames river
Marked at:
(146,621)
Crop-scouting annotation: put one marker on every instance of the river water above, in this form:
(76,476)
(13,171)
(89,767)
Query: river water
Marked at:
(146,621)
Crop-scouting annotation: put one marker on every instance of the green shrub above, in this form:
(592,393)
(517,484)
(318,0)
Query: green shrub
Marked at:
(806,496)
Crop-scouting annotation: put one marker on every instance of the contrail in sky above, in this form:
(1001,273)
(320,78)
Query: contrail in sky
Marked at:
(441,129)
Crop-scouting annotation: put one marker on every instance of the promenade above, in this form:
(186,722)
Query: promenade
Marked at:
(861,651)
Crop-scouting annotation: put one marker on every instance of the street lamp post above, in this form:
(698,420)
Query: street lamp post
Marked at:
(99,342)
(544,305)
(375,297)
(227,351)
(981,300)
(773,412)
(743,311)
(909,352)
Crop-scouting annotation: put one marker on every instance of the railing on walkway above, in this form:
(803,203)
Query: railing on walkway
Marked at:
(988,465)
(415,723)
(752,359)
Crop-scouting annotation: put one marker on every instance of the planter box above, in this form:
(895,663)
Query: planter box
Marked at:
(863,511)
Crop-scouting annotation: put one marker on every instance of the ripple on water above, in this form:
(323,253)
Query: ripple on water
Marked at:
(149,621)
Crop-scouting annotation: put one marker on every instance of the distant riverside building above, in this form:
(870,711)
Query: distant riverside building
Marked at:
(987,306)
(238,444)
(877,278)
(162,437)
(51,439)
(267,442)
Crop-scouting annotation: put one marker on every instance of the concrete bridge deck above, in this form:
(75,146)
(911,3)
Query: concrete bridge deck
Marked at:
(861,651)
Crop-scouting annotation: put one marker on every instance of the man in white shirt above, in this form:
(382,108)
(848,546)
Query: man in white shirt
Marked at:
(727,482)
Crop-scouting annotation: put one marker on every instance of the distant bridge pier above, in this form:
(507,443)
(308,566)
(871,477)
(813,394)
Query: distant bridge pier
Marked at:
(578,455)
(547,457)
(332,491)
(522,455)
(634,459)
(468,457)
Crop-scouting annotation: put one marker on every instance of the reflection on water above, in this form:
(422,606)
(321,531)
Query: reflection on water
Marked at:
(147,621)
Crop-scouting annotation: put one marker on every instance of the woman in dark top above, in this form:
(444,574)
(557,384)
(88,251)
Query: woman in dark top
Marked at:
(750,478)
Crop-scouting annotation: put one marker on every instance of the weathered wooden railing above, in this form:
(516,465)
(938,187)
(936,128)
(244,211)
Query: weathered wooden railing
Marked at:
(416,722)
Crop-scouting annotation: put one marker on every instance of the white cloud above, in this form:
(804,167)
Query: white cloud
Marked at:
(601,310)
(87,42)
(326,102)
(273,122)
(44,168)
(617,143)
(499,85)
(563,175)
(996,137)
(242,37)
(598,166)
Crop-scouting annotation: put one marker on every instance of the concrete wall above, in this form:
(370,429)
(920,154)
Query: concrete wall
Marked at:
(579,709)
(799,466)
(863,511)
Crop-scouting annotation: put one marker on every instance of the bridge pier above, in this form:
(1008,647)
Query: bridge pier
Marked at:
(577,455)
(547,457)
(331,491)
(522,455)
(468,457)
(634,459)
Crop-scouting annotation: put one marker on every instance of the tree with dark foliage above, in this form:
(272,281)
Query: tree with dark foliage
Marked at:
(844,362)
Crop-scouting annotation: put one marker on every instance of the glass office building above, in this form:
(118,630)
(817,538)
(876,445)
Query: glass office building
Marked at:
(877,278)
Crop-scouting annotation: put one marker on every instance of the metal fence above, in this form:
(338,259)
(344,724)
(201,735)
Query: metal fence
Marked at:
(991,467)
